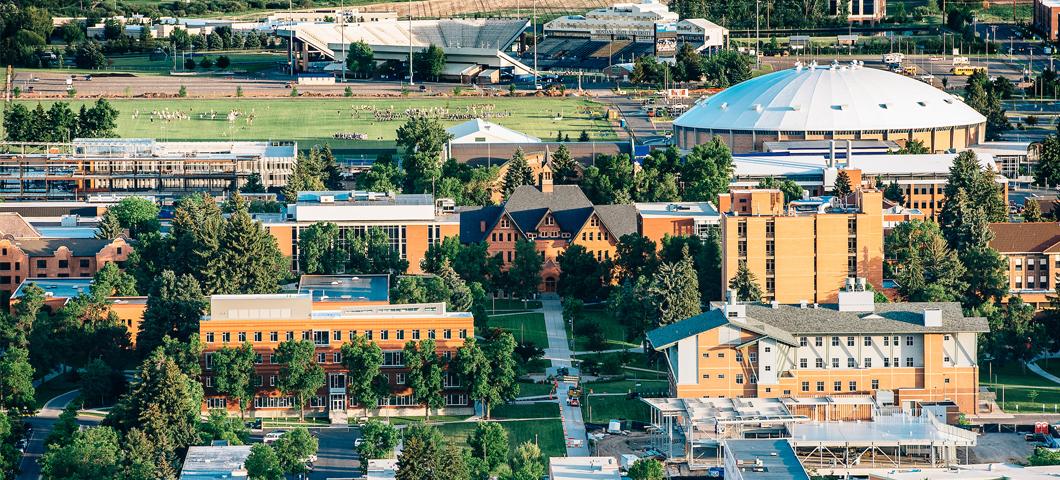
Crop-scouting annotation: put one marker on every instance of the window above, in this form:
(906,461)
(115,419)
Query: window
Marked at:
(257,336)
(895,362)
(820,386)
(851,363)
(208,360)
(289,336)
(64,264)
(835,363)
(805,386)
(886,341)
(431,334)
(739,379)
(367,334)
(886,362)
(802,363)
(868,363)
(336,357)
(272,380)
(896,340)
(818,363)
(83,263)
(875,384)
(336,335)
(463,333)
(320,338)
(242,336)
(739,357)
(868,341)
(447,334)
(322,357)
(752,357)
(226,337)
(209,337)
(42,264)
(909,361)
(384,334)
(706,355)
(215,403)
(909,340)
(850,341)
(803,342)
(946,359)
(721,354)
(818,341)
(399,334)
(853,385)
(399,378)
(946,337)
(393,359)
(837,386)
(415,334)
(835,341)
(257,359)
(770,228)
(706,375)
(947,380)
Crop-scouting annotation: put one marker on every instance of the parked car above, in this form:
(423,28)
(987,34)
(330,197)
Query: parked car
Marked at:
(273,436)
(21,445)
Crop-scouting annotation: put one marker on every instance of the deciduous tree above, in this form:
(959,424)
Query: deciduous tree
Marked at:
(425,374)
(233,374)
(300,375)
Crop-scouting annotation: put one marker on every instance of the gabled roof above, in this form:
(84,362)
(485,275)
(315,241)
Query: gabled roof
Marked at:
(79,247)
(1037,237)
(528,205)
(480,131)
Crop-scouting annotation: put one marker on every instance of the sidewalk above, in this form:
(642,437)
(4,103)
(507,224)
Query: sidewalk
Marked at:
(559,353)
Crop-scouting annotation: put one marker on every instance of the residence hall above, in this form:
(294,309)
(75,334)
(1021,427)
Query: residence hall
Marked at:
(25,253)
(329,311)
(901,353)
(413,222)
(1033,254)
(802,252)
(553,217)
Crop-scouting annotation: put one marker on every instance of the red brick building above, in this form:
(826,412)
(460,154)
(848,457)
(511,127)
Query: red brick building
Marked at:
(1047,18)
(25,253)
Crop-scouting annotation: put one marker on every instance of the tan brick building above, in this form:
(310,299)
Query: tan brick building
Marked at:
(24,253)
(553,217)
(805,251)
(1033,254)
(901,353)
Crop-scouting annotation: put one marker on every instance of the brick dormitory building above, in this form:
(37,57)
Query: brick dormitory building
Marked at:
(25,253)
(903,354)
(1033,254)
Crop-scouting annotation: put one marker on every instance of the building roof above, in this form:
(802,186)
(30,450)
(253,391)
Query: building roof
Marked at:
(493,34)
(583,468)
(527,205)
(56,287)
(773,457)
(1037,237)
(79,247)
(836,98)
(12,223)
(480,131)
(677,209)
(779,165)
(784,322)
(339,288)
(215,463)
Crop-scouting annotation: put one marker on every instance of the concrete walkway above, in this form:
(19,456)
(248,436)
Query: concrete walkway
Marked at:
(1032,364)
(559,353)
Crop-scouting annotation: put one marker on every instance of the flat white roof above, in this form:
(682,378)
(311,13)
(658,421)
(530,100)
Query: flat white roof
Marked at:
(869,164)
(677,209)
(881,431)
(583,468)
(991,471)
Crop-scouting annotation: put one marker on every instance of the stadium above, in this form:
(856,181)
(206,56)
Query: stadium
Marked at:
(836,102)
(471,46)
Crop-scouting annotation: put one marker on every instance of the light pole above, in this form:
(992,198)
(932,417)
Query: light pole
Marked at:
(342,32)
(533,27)
(410,43)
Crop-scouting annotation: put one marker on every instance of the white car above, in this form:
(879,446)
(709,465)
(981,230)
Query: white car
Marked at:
(273,436)
(357,443)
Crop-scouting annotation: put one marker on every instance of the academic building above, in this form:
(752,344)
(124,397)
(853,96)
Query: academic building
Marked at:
(802,252)
(330,313)
(902,354)
(25,253)
(553,217)
(1033,254)
(413,222)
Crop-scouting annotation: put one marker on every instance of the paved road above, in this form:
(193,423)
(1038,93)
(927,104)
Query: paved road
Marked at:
(559,352)
(42,425)
(335,455)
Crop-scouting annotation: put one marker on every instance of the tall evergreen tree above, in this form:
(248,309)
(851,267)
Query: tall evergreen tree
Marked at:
(422,140)
(894,193)
(321,251)
(745,284)
(564,167)
(109,227)
(460,298)
(195,237)
(250,261)
(16,381)
(1032,212)
(418,459)
(674,291)
(93,454)
(842,186)
(979,187)
(253,184)
(518,173)
(173,309)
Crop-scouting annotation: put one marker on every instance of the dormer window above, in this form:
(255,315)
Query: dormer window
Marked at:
(549,220)
(594,222)
(505,223)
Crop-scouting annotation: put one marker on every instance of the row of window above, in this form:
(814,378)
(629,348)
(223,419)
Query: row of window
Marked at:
(390,358)
(452,399)
(82,263)
(1042,283)
(449,380)
(887,341)
(852,363)
(326,337)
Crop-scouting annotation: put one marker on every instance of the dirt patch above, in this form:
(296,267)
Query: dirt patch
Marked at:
(615,445)
(1001,448)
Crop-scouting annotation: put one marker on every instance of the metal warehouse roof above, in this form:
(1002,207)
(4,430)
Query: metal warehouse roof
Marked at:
(830,98)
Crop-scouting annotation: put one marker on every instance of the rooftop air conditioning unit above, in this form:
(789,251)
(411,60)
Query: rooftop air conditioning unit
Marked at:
(327,199)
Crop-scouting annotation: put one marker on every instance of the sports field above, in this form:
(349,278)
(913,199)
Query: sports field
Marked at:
(317,120)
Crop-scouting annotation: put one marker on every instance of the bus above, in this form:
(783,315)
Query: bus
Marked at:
(967,70)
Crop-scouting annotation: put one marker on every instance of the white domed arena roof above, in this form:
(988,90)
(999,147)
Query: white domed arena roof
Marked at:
(830,98)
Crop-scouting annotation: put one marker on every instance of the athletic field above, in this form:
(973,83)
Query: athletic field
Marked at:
(317,120)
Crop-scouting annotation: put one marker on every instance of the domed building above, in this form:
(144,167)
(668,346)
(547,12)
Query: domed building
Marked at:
(836,102)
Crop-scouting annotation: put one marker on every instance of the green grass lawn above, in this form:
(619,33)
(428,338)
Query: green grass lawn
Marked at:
(626,386)
(548,409)
(316,120)
(614,332)
(501,304)
(1015,386)
(534,389)
(614,407)
(613,363)
(526,327)
(249,61)
(1015,374)
(55,387)
(547,433)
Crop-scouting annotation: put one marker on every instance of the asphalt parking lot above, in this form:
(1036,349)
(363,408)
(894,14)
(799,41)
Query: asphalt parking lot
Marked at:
(336,458)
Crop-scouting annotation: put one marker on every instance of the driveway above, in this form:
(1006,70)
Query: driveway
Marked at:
(559,352)
(335,455)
